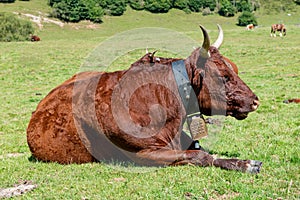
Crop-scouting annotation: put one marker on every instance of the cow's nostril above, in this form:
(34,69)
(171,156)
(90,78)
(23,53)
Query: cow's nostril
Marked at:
(255,104)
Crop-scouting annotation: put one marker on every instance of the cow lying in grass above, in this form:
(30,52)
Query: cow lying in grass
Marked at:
(138,114)
(291,101)
(35,38)
(249,27)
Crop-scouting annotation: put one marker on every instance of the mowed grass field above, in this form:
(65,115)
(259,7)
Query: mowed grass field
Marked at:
(270,66)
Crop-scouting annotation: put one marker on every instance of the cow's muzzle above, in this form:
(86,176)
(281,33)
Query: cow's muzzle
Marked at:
(255,104)
(243,115)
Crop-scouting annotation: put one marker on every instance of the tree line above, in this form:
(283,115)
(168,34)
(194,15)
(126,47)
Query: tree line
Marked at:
(94,10)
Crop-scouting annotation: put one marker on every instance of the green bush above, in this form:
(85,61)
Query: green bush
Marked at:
(7,1)
(95,13)
(181,4)
(68,10)
(247,18)
(198,5)
(211,4)
(137,4)
(227,9)
(158,6)
(52,2)
(113,7)
(14,29)
(243,5)
(195,5)
(77,10)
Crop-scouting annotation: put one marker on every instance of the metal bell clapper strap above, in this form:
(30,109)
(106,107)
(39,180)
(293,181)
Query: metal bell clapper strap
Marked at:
(195,121)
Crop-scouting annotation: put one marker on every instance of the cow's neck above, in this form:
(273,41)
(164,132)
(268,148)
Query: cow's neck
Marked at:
(185,88)
(191,64)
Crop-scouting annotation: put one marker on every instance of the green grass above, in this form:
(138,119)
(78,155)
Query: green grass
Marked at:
(270,66)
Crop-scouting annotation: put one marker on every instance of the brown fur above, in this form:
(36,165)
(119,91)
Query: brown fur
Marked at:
(137,114)
(292,101)
(250,27)
(35,38)
(278,27)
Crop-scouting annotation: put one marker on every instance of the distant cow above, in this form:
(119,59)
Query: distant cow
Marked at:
(292,101)
(278,27)
(35,38)
(250,27)
(138,114)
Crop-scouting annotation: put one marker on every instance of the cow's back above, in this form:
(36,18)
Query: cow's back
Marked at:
(51,133)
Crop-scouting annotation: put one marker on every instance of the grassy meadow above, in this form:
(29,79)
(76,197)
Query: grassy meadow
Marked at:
(270,66)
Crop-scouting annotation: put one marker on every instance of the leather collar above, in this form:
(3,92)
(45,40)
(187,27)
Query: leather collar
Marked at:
(185,89)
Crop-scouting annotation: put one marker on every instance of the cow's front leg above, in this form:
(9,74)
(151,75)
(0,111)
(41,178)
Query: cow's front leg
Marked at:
(251,166)
(199,158)
(177,157)
(204,159)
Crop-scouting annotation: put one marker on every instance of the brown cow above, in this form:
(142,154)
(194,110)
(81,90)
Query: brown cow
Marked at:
(138,114)
(292,101)
(250,27)
(278,27)
(35,38)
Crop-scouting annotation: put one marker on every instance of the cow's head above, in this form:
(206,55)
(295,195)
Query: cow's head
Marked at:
(219,89)
(284,31)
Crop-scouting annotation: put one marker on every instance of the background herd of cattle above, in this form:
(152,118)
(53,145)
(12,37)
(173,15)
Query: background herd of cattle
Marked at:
(274,28)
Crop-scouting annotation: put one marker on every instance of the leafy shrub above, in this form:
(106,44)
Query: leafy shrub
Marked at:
(14,29)
(52,2)
(227,9)
(211,4)
(206,11)
(243,5)
(69,10)
(158,6)
(181,4)
(7,1)
(77,10)
(247,18)
(137,4)
(113,7)
(195,5)
(95,13)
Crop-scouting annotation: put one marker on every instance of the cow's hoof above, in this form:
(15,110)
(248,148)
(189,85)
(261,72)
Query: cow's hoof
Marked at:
(254,166)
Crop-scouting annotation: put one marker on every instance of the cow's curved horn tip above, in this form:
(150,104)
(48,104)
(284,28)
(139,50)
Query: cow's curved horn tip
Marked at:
(219,40)
(202,27)
(206,42)
(219,27)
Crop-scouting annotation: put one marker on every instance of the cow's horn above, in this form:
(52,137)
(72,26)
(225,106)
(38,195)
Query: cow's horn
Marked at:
(219,41)
(205,45)
(203,52)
